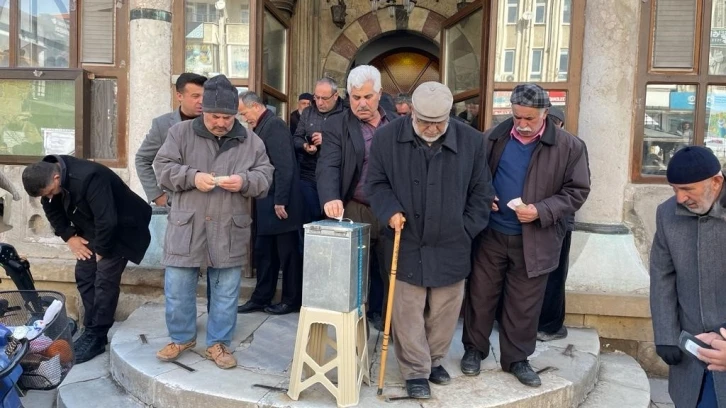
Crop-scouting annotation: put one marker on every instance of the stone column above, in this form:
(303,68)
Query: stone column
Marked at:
(604,258)
(606,105)
(305,50)
(149,72)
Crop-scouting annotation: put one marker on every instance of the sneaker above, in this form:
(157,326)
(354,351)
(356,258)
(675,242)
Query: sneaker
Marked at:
(559,334)
(90,347)
(221,356)
(171,351)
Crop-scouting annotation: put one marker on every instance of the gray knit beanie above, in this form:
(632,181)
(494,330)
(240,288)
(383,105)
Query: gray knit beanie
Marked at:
(220,96)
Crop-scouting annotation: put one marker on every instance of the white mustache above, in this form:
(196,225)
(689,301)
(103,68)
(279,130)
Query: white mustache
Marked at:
(524,129)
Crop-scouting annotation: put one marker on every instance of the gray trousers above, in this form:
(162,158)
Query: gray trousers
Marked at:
(424,321)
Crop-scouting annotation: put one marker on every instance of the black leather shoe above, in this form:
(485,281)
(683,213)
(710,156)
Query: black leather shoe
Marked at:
(471,362)
(439,376)
(281,309)
(376,321)
(559,334)
(90,347)
(250,307)
(524,373)
(418,388)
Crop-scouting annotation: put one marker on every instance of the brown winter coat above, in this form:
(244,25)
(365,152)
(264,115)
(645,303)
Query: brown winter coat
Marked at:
(212,228)
(557,183)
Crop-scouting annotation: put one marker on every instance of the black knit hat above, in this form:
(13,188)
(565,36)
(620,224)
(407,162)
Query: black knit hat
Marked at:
(691,165)
(557,113)
(306,96)
(220,96)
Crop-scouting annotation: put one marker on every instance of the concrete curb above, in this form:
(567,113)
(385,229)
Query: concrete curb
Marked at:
(573,371)
(622,383)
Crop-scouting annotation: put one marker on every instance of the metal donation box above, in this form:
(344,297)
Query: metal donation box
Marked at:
(335,266)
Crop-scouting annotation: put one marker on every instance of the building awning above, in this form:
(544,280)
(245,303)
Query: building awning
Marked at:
(197,32)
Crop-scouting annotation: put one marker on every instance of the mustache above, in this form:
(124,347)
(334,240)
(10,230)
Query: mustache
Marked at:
(524,129)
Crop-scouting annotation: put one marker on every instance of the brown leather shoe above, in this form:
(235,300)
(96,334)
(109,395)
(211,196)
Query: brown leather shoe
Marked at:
(171,351)
(221,356)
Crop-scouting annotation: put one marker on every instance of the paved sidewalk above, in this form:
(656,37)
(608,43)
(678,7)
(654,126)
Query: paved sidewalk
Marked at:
(659,397)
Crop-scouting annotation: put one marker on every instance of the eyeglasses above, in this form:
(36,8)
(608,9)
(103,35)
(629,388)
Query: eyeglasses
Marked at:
(324,98)
(426,124)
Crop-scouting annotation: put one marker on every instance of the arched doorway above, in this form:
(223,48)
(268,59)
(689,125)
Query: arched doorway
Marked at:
(404,58)
(402,70)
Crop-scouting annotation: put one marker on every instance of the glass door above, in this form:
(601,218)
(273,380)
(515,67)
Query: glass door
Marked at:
(464,40)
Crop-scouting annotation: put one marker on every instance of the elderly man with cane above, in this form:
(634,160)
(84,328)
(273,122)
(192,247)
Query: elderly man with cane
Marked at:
(435,172)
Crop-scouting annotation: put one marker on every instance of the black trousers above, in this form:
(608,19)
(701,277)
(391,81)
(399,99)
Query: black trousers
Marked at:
(99,285)
(499,272)
(553,309)
(272,253)
(377,270)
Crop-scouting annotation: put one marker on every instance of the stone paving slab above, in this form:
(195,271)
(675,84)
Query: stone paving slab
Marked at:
(659,391)
(264,346)
(622,383)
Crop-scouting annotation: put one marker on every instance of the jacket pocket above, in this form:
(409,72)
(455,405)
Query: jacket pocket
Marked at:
(240,235)
(561,227)
(179,233)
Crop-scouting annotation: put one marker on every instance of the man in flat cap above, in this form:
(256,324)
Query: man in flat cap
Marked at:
(540,177)
(433,171)
(688,274)
(214,167)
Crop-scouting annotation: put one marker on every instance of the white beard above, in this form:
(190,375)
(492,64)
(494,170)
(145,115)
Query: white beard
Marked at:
(429,139)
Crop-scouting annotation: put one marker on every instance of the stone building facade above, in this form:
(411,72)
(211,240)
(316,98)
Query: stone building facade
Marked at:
(107,66)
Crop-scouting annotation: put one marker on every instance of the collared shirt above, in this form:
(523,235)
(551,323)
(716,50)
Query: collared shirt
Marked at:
(515,134)
(367,130)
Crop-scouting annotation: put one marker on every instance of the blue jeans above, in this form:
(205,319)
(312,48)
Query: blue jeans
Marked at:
(707,399)
(180,289)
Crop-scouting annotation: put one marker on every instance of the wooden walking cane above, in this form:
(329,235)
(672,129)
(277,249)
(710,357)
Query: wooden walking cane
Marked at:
(389,308)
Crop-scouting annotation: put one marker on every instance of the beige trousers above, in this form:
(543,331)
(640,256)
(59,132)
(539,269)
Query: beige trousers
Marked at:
(424,321)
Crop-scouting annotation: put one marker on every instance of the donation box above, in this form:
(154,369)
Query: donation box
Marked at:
(335,265)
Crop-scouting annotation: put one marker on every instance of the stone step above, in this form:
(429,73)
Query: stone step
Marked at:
(264,347)
(89,385)
(622,383)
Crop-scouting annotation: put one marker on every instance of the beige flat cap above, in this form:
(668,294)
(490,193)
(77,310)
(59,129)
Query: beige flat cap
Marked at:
(432,102)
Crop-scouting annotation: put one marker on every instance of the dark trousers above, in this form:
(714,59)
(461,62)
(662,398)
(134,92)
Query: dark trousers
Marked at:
(707,397)
(553,309)
(272,253)
(498,272)
(309,190)
(312,212)
(378,289)
(99,285)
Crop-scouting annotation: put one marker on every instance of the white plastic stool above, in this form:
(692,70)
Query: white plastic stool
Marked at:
(351,358)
